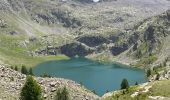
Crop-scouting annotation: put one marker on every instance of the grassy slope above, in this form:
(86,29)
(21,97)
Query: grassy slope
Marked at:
(12,49)
(159,88)
(11,53)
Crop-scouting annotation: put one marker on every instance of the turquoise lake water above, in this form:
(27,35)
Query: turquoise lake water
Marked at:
(94,75)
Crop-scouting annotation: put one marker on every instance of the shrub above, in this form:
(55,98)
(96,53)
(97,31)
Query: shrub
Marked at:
(157,76)
(62,94)
(148,73)
(138,53)
(16,68)
(24,70)
(30,72)
(45,75)
(12,67)
(94,91)
(12,78)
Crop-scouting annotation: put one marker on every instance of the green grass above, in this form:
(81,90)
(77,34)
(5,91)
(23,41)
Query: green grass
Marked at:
(127,95)
(12,54)
(30,61)
(146,60)
(161,88)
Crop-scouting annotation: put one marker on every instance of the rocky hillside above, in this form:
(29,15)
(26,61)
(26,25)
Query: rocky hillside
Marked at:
(124,30)
(148,41)
(11,83)
(133,32)
(145,44)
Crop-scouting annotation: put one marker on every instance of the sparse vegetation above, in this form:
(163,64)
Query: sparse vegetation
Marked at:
(139,53)
(62,94)
(16,68)
(30,72)
(45,75)
(148,72)
(161,88)
(12,67)
(157,76)
(24,70)
(126,95)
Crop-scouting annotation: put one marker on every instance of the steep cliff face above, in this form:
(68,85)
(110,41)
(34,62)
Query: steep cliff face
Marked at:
(93,41)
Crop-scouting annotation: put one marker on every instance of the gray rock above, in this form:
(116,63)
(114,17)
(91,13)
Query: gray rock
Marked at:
(53,89)
(52,84)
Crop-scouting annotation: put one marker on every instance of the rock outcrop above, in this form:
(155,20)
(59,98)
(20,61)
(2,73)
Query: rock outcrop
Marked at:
(93,41)
(76,49)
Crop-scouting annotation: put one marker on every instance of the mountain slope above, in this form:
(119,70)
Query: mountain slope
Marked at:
(103,30)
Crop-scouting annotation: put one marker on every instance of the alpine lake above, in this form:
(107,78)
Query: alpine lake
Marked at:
(98,77)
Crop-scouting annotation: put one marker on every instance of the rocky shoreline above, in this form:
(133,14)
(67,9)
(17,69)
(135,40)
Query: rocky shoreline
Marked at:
(11,83)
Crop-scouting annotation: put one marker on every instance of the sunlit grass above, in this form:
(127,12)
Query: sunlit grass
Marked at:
(12,54)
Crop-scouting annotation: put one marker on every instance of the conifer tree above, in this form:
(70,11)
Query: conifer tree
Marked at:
(136,83)
(30,72)
(24,70)
(124,84)
(31,90)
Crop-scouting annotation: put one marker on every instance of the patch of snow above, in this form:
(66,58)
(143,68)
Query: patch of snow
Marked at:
(96,0)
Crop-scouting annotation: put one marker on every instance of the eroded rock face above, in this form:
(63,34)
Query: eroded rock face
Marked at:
(168,14)
(49,50)
(71,50)
(11,83)
(149,34)
(92,40)
(75,49)
(116,50)
(66,19)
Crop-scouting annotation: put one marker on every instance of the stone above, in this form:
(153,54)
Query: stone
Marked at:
(86,98)
(45,96)
(53,89)
(2,75)
(52,84)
